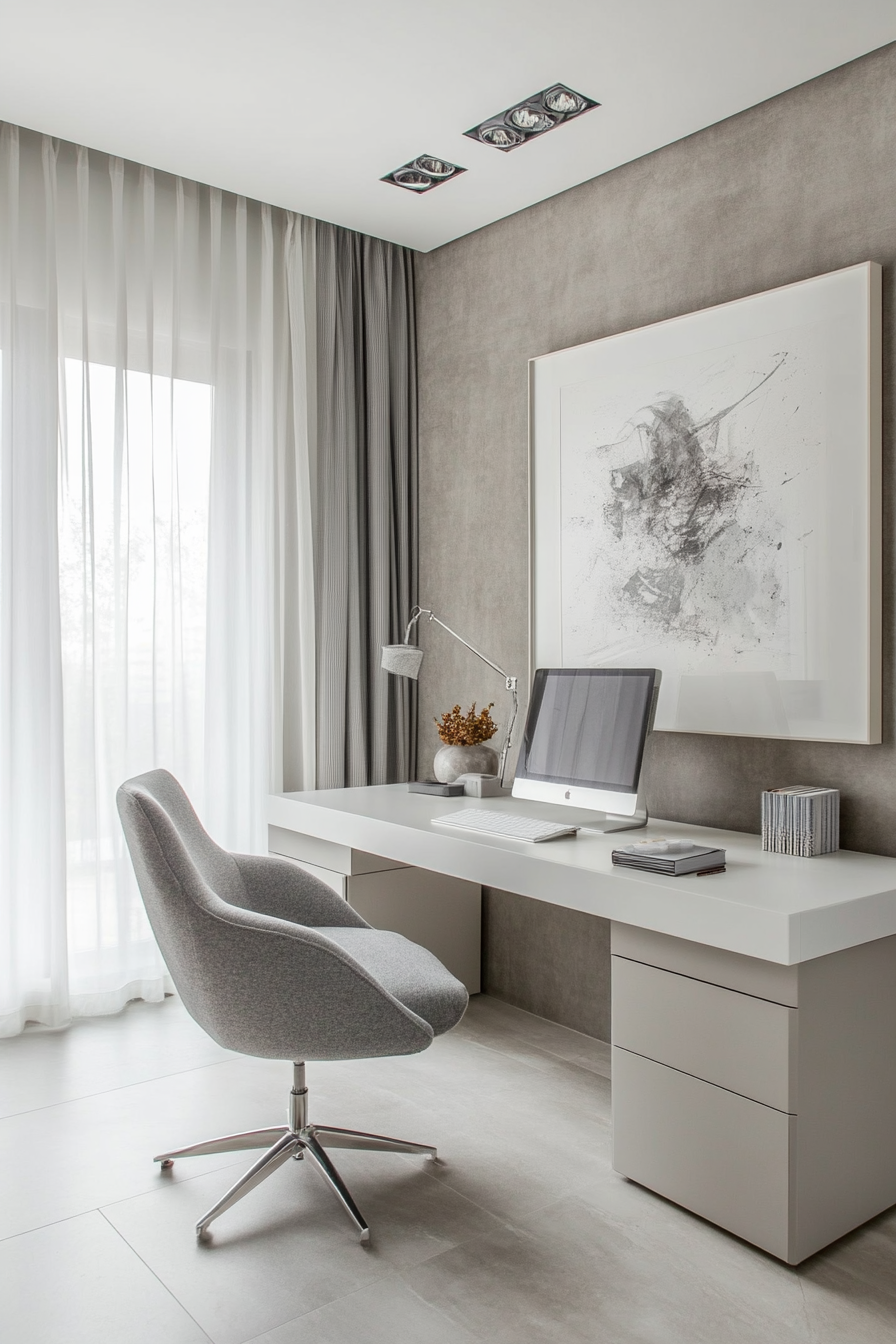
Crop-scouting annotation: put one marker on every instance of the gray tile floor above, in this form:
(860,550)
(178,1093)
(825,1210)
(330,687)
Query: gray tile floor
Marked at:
(521,1233)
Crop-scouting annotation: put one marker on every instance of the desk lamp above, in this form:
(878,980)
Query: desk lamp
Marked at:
(403,660)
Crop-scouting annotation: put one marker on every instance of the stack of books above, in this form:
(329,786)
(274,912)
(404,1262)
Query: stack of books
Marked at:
(801,820)
(675,858)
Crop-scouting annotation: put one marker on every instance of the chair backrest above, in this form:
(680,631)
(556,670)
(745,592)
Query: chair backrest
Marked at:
(213,864)
(187,883)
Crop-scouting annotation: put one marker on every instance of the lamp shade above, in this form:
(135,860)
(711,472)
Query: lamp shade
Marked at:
(403,660)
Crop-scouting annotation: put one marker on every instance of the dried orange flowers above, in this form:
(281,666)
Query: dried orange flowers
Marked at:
(465,730)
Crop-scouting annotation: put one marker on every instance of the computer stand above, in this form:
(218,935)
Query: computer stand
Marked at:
(607,822)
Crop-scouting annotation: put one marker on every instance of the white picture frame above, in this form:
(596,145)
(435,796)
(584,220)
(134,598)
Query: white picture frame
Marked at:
(664,531)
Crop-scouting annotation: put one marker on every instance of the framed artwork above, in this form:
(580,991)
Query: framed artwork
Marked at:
(705,499)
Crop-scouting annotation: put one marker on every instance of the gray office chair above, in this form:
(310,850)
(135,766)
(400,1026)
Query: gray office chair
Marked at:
(273,963)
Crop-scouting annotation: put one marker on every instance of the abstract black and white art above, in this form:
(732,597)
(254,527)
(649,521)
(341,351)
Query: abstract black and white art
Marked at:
(706,501)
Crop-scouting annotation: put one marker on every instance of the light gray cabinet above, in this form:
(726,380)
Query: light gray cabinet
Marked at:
(762,1097)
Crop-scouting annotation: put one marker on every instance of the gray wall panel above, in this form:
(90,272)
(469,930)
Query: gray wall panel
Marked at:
(802,184)
(548,960)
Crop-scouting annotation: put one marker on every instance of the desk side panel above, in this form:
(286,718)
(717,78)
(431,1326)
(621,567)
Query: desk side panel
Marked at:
(846,1131)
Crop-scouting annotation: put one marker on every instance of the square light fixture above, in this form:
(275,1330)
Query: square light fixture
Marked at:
(423,174)
(532,117)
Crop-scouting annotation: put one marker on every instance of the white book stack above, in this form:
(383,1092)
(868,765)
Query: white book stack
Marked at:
(801,820)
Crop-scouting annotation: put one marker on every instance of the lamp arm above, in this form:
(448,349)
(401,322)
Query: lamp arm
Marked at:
(510,682)
(417,612)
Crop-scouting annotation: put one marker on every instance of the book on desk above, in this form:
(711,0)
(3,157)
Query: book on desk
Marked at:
(677,858)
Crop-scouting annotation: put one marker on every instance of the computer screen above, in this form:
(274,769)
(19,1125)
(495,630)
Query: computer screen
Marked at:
(585,735)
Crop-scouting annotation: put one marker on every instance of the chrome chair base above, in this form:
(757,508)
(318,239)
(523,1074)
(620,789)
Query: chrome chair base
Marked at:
(296,1139)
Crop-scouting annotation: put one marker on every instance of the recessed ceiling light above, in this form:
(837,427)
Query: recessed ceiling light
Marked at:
(436,167)
(423,173)
(502,137)
(560,99)
(531,119)
(533,116)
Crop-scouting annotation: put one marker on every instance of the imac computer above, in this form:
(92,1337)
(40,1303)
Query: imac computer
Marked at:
(584,742)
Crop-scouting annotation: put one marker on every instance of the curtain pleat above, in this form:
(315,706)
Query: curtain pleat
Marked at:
(366,560)
(33,948)
(156,588)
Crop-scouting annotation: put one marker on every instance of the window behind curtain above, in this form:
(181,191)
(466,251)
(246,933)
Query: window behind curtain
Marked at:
(133,545)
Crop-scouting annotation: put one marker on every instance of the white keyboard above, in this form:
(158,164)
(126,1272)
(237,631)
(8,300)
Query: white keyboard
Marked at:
(506,824)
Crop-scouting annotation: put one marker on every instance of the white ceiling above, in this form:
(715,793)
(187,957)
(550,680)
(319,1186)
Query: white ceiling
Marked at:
(307,105)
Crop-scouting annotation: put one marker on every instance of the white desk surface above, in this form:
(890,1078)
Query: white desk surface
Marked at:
(771,906)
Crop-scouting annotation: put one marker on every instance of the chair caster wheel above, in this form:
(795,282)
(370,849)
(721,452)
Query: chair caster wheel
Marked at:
(167,1164)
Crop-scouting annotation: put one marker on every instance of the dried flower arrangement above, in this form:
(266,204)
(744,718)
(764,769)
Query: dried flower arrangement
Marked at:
(465,730)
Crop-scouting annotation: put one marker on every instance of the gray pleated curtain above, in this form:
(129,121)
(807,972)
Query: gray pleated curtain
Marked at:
(366,534)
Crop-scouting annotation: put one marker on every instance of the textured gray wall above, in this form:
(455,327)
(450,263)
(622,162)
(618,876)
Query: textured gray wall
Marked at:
(800,185)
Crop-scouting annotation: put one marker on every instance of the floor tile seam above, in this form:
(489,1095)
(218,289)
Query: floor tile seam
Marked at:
(162,1183)
(113,1203)
(577,1064)
(562,1059)
(539,1044)
(570,1057)
(323,1306)
(51,1222)
(108,1091)
(174,1298)
(499,1047)
(547,1054)
(561,1026)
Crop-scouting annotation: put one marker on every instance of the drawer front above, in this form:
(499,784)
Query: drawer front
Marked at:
(325,853)
(733,1040)
(765,979)
(715,1153)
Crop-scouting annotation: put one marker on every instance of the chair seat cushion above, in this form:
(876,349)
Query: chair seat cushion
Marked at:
(411,974)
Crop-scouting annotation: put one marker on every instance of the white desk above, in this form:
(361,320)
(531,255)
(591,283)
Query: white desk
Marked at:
(754,1012)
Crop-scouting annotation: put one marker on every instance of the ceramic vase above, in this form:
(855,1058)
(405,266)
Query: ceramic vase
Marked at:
(453,761)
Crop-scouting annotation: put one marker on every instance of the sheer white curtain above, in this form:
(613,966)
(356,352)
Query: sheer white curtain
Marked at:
(156,588)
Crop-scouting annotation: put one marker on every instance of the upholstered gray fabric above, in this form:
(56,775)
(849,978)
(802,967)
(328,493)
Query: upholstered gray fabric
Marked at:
(262,953)
(278,888)
(411,974)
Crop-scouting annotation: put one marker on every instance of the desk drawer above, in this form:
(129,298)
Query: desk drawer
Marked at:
(308,849)
(733,1040)
(718,1154)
